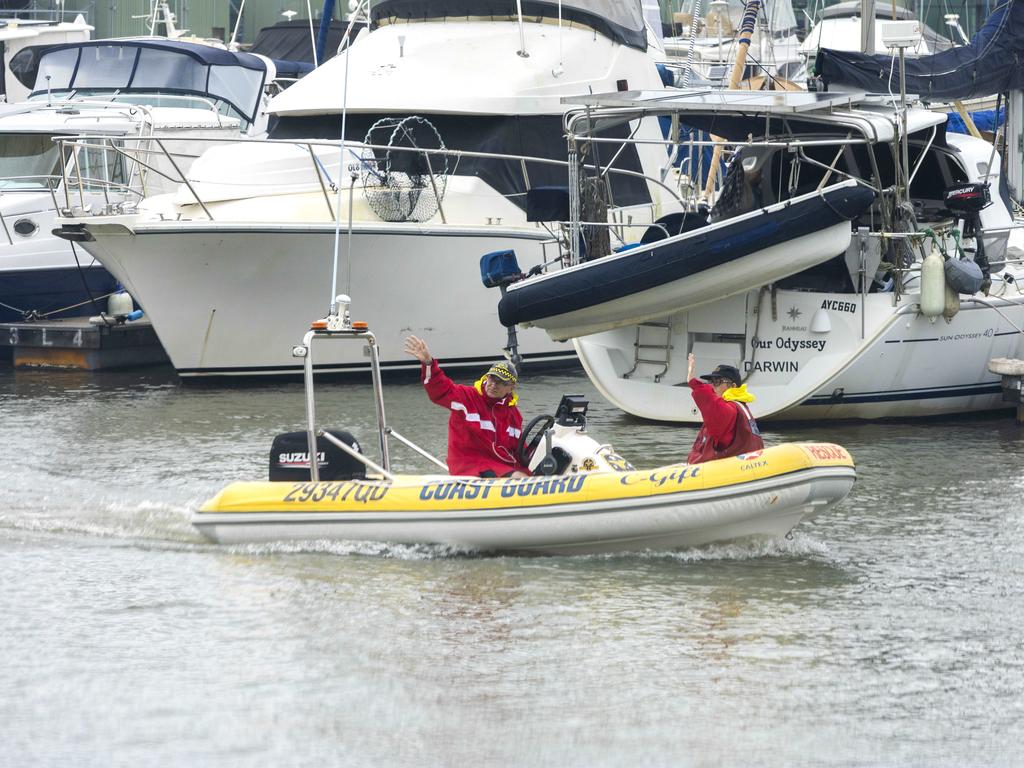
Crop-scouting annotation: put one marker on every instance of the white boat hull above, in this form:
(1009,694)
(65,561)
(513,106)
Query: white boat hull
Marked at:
(875,361)
(234,300)
(34,266)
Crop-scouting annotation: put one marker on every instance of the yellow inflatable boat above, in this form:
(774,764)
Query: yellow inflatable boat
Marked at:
(582,498)
(762,494)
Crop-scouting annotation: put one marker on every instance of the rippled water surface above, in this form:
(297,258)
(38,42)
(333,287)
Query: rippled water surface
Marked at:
(886,632)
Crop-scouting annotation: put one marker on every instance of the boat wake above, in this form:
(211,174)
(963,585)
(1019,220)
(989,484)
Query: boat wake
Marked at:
(144,521)
(384,550)
(799,545)
(167,526)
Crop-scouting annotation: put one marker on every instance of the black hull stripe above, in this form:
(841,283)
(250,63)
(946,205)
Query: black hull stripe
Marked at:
(893,396)
(912,341)
(328,230)
(569,357)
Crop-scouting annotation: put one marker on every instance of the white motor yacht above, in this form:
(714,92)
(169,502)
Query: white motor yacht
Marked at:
(133,94)
(452,113)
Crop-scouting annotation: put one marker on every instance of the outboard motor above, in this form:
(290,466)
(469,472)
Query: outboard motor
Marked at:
(967,201)
(289,458)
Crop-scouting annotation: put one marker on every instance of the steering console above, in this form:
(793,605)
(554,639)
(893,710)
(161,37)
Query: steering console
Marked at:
(528,441)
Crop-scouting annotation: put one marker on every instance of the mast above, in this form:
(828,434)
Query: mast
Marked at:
(746,31)
(867,26)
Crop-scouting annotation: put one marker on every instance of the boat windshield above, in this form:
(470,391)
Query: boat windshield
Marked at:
(621,20)
(146,66)
(724,16)
(28,161)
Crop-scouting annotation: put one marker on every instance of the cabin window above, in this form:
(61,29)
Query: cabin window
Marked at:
(107,66)
(167,70)
(623,22)
(59,66)
(27,161)
(236,85)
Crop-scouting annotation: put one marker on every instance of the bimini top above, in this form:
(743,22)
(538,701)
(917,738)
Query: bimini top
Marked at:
(620,20)
(735,115)
(126,66)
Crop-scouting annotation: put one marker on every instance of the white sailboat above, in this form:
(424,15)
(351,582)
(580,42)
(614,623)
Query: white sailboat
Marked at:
(230,282)
(859,335)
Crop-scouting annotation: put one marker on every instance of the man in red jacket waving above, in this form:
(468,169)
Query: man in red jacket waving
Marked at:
(484,424)
(729,429)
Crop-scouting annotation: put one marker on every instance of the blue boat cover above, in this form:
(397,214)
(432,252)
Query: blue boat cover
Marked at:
(610,278)
(667,78)
(984,120)
(990,64)
(291,68)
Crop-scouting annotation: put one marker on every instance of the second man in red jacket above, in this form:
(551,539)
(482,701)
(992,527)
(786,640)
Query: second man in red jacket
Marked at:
(729,428)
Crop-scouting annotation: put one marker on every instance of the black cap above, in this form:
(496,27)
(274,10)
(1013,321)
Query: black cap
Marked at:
(724,372)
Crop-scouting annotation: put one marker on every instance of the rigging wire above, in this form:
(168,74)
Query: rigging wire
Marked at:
(341,169)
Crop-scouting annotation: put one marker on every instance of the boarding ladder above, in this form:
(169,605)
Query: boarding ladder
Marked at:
(657,353)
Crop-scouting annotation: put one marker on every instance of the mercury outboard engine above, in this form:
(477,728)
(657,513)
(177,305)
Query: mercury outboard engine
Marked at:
(289,458)
(967,200)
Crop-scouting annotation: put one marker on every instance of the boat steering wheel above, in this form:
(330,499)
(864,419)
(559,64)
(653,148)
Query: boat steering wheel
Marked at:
(527,445)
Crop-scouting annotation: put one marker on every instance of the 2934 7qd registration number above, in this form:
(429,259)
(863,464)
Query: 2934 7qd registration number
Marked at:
(342,491)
